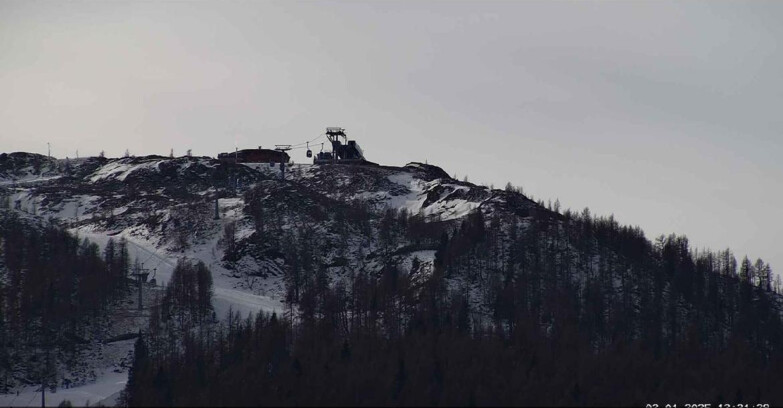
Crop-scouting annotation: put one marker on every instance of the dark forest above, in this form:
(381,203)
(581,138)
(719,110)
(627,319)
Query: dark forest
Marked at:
(573,310)
(53,289)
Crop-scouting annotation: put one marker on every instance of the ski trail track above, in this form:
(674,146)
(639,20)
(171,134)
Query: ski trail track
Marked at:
(226,297)
(109,384)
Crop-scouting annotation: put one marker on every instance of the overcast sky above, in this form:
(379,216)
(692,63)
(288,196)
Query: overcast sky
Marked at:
(664,114)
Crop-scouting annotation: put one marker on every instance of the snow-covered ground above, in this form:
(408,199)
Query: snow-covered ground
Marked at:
(104,390)
(414,201)
(225,293)
(142,248)
(233,289)
(121,169)
(32,178)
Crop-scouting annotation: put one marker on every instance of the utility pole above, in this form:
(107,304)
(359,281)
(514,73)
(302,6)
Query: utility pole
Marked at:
(233,174)
(44,352)
(141,287)
(282,149)
(141,275)
(43,371)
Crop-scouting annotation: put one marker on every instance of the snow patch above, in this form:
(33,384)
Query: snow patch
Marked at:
(121,169)
(108,384)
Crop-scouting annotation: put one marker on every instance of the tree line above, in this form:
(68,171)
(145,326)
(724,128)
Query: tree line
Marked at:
(52,285)
(546,309)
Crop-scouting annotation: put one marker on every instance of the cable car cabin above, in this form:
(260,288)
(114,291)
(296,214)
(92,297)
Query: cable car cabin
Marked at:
(254,156)
(343,150)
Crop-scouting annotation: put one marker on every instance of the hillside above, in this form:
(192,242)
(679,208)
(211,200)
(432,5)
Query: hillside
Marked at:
(426,252)
(167,206)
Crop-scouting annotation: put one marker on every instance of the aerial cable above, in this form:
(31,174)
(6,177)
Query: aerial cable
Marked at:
(152,253)
(148,258)
(309,141)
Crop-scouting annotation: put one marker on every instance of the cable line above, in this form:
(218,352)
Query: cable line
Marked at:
(309,141)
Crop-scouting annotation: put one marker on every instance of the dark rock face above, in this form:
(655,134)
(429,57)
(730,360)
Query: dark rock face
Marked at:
(21,164)
(427,172)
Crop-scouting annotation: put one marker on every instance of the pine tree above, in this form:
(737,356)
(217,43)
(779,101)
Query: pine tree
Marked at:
(123,260)
(764,273)
(745,273)
(110,259)
(138,374)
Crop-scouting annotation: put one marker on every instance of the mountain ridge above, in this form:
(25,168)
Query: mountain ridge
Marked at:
(273,241)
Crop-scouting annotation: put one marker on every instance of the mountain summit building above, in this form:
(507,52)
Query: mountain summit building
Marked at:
(254,156)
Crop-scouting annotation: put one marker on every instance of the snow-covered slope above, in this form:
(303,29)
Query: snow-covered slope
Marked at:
(198,208)
(416,188)
(166,208)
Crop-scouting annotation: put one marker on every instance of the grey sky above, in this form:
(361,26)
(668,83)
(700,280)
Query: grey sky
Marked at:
(665,114)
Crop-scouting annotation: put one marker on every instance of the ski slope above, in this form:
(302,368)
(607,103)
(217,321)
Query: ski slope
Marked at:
(109,383)
(104,389)
(225,298)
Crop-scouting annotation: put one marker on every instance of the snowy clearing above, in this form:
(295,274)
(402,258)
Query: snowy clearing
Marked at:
(108,384)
